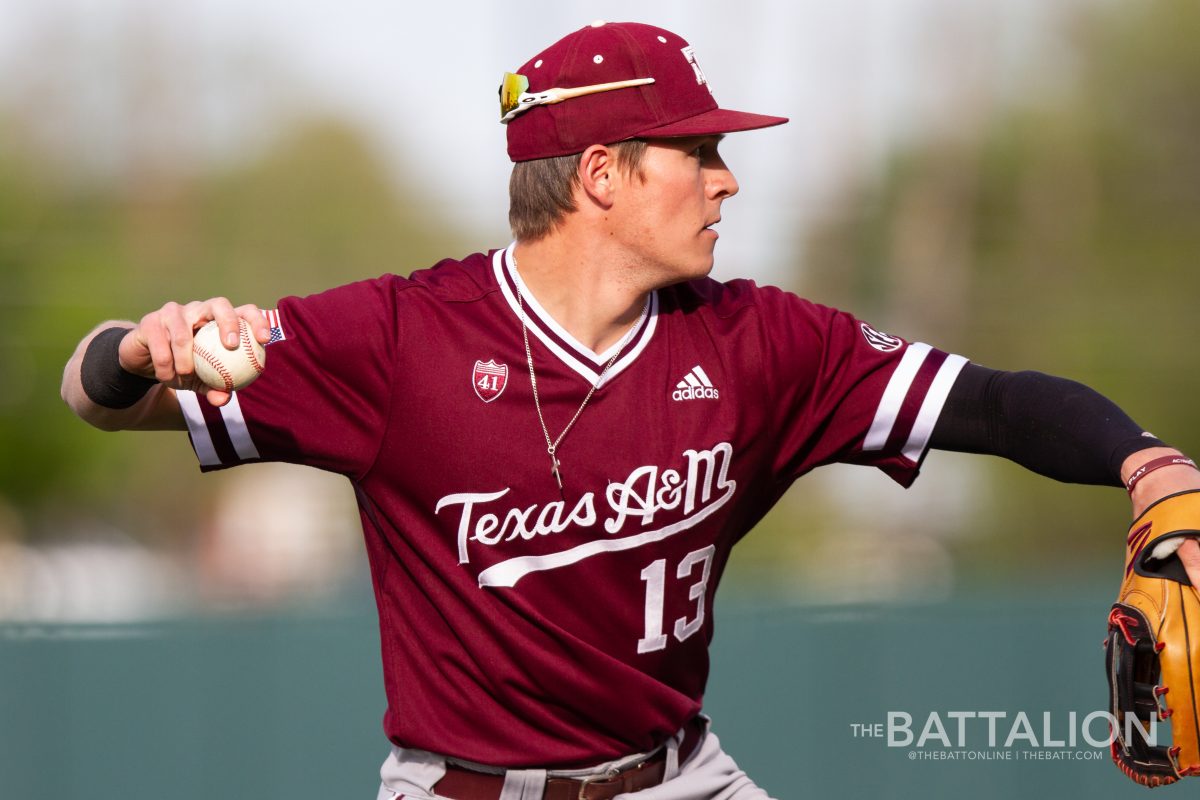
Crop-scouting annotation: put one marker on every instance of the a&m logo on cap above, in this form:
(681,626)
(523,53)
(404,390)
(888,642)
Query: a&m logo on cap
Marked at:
(689,53)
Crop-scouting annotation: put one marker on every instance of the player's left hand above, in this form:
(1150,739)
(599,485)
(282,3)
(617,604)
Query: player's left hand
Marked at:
(1160,484)
(1189,554)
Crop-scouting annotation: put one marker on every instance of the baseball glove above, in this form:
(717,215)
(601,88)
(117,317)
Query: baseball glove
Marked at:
(1153,648)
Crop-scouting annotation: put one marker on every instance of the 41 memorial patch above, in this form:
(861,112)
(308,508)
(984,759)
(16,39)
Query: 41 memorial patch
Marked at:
(489,379)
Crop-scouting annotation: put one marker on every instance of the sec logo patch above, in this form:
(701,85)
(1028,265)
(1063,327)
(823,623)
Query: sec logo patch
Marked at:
(489,379)
(880,340)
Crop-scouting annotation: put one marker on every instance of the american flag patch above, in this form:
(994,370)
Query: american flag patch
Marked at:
(276,324)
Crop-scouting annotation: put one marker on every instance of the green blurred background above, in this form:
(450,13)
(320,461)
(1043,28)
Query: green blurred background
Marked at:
(1030,205)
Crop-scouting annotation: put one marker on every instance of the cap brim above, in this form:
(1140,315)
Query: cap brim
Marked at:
(719,120)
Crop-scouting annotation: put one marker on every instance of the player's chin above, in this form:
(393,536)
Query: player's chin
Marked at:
(682,272)
(705,257)
(696,261)
(699,268)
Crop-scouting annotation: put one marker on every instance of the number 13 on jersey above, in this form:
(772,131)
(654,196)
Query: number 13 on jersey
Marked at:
(655,577)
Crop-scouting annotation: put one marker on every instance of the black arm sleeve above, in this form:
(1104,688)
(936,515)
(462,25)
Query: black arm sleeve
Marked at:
(1053,426)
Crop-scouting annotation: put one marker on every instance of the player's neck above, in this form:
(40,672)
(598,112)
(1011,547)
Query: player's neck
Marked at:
(594,299)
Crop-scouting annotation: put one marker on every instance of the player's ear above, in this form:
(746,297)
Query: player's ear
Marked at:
(597,169)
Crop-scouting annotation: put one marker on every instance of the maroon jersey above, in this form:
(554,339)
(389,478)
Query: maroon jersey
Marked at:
(520,626)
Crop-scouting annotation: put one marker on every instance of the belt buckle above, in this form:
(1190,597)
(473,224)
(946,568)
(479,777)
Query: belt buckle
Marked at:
(609,774)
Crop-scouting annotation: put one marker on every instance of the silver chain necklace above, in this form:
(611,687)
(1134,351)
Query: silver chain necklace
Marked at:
(552,446)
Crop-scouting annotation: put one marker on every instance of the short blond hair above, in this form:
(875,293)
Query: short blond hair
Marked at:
(542,192)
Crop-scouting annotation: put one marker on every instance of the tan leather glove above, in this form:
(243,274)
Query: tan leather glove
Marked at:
(1153,647)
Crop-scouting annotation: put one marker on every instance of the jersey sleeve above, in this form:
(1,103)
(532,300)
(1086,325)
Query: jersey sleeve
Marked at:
(847,392)
(323,398)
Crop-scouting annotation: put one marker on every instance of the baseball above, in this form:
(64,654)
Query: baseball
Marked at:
(226,369)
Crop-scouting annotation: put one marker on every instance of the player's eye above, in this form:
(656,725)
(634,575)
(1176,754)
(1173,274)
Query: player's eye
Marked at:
(706,149)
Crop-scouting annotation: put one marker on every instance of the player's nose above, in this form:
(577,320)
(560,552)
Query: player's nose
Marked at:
(721,182)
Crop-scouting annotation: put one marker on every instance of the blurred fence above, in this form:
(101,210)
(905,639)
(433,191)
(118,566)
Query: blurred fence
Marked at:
(289,706)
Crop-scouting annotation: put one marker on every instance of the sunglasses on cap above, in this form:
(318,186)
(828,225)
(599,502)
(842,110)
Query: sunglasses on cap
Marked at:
(516,98)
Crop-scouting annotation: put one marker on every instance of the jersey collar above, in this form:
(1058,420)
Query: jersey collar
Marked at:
(582,359)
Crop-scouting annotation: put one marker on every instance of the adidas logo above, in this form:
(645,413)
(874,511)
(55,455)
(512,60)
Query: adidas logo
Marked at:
(695,386)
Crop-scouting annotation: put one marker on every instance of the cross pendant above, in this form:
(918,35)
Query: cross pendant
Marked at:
(554,469)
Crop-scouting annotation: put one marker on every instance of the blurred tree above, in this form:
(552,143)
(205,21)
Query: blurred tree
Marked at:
(1059,236)
(315,210)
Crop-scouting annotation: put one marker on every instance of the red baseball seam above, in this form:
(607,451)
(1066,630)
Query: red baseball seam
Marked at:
(212,361)
(248,348)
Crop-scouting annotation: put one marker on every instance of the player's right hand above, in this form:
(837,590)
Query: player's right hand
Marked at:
(160,347)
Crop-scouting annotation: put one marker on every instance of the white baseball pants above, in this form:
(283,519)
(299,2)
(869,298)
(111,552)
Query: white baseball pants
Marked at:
(709,774)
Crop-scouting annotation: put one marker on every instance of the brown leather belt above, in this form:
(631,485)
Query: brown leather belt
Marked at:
(461,783)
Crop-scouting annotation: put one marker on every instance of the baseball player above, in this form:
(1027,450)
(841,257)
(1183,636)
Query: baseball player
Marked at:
(556,444)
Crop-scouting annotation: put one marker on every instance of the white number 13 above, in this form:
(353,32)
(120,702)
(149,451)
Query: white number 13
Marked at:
(655,576)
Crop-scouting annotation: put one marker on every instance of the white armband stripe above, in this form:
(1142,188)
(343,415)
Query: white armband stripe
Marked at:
(198,428)
(894,394)
(239,434)
(931,408)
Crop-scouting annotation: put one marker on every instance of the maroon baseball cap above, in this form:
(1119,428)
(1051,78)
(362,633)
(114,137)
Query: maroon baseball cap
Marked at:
(677,103)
